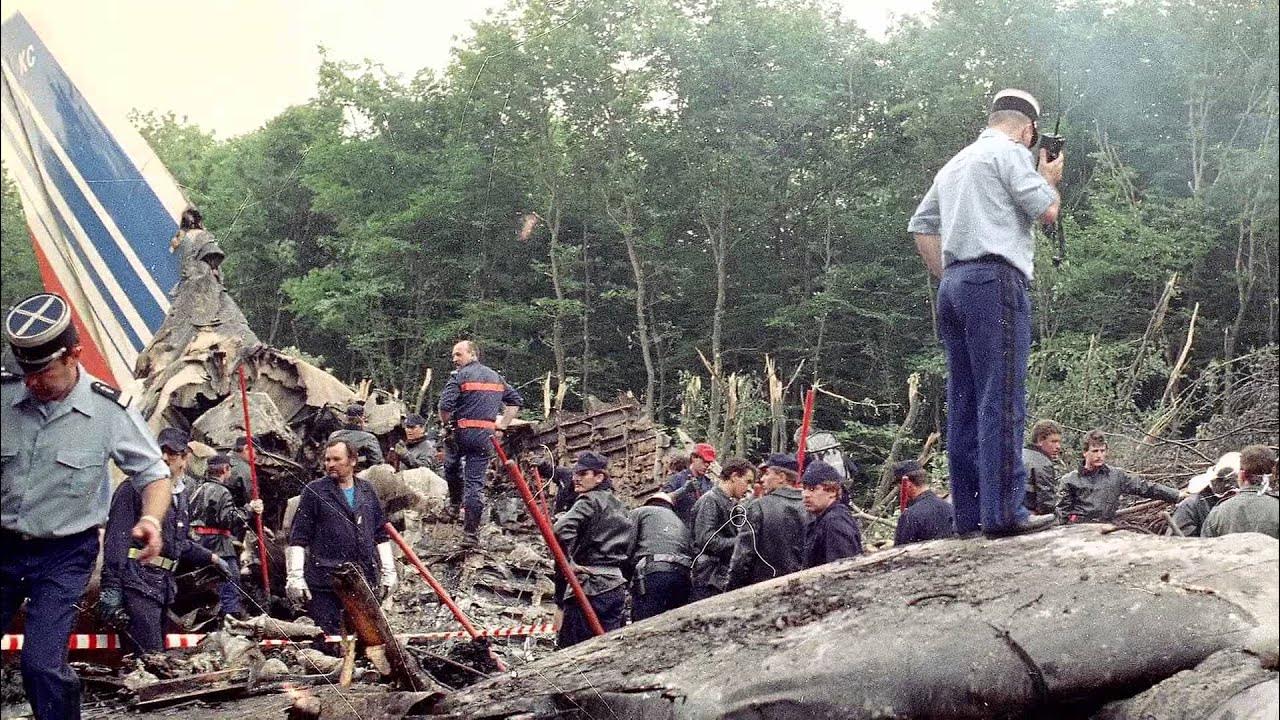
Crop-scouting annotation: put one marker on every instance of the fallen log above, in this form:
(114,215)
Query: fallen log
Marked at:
(370,627)
(1044,625)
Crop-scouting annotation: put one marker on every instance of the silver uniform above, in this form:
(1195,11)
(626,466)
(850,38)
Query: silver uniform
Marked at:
(56,480)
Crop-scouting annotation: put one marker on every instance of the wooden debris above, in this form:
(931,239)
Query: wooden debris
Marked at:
(619,431)
(369,625)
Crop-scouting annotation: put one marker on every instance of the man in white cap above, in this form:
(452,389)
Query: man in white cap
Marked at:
(61,426)
(974,231)
(1204,492)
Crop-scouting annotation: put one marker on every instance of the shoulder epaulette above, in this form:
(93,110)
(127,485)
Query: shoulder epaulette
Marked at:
(111,393)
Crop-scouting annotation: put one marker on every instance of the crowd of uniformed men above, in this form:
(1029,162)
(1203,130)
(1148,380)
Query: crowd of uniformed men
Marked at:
(712,528)
(702,534)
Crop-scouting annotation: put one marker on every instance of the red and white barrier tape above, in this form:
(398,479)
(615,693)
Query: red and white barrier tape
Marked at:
(13,643)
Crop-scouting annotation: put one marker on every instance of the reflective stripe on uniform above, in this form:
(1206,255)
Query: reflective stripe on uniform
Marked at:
(484,424)
(159,561)
(475,386)
(205,530)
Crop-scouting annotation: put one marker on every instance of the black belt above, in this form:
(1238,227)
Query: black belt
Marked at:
(992,258)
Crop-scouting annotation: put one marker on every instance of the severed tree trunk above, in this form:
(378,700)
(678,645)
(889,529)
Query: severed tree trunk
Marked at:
(1054,624)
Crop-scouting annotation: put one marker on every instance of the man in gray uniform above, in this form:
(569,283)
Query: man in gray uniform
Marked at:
(368,450)
(1256,508)
(1092,493)
(976,222)
(417,450)
(60,425)
(660,557)
(1042,476)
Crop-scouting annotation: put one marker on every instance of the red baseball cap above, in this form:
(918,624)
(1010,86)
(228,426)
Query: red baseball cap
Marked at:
(705,451)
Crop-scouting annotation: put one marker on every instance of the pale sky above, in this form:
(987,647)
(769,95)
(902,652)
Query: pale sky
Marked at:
(230,65)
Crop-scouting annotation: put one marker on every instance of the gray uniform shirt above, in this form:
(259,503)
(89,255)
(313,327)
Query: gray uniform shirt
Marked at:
(56,481)
(984,201)
(1248,511)
(1042,481)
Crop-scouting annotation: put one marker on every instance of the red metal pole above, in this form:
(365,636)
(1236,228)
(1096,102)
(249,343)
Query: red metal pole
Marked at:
(253,480)
(804,428)
(441,593)
(549,536)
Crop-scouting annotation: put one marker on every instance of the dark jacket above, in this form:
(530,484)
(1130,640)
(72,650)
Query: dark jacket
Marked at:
(334,532)
(476,392)
(1247,511)
(595,534)
(927,517)
(566,496)
(121,571)
(213,510)
(1042,481)
(713,539)
(368,449)
(832,535)
(421,454)
(771,542)
(686,489)
(241,484)
(659,541)
(1095,496)
(1191,513)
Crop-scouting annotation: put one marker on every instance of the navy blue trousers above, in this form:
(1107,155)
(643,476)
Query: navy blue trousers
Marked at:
(146,622)
(229,590)
(608,606)
(984,318)
(663,590)
(326,609)
(464,469)
(50,575)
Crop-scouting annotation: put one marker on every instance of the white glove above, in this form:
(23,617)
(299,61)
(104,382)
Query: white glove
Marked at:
(255,506)
(388,563)
(294,585)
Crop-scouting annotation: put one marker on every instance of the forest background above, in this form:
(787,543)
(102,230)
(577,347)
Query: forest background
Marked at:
(720,191)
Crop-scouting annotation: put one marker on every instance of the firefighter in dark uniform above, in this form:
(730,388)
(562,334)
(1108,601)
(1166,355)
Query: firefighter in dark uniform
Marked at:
(660,558)
(595,534)
(476,403)
(417,450)
(368,449)
(834,533)
(927,516)
(339,520)
(135,593)
(217,522)
(58,427)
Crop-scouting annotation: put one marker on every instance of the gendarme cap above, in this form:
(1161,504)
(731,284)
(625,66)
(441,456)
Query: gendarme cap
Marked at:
(39,330)
(1011,99)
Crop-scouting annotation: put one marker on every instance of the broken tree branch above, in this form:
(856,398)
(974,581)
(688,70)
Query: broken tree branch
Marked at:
(371,627)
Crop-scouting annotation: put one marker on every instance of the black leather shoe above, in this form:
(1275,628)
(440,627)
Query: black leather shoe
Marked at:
(1034,523)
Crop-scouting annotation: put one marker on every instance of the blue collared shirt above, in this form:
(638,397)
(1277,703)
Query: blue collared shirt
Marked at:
(984,202)
(56,479)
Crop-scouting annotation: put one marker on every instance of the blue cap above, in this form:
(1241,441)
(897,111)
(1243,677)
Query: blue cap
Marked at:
(219,460)
(818,472)
(355,410)
(781,460)
(906,467)
(414,420)
(40,330)
(173,440)
(591,461)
